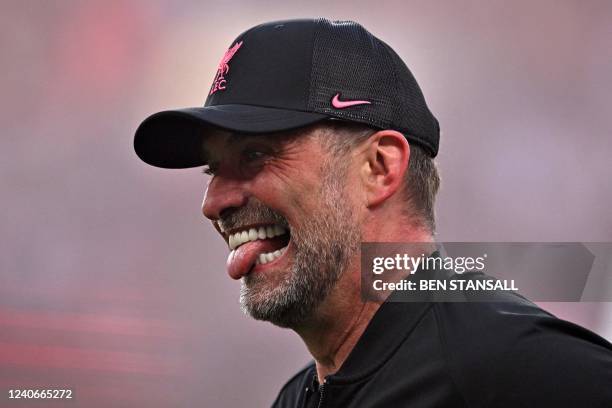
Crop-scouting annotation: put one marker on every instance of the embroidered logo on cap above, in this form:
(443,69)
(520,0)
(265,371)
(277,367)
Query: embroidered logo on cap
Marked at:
(338,104)
(220,83)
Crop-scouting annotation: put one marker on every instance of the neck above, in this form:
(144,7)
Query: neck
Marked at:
(333,333)
(338,323)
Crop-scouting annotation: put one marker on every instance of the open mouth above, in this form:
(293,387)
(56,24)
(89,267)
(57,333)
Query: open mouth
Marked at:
(255,245)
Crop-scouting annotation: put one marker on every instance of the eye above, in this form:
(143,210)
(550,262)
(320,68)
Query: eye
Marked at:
(254,155)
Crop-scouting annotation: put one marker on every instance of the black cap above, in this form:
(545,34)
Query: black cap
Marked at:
(288,74)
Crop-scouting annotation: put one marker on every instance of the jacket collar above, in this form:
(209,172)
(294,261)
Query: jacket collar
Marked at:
(391,325)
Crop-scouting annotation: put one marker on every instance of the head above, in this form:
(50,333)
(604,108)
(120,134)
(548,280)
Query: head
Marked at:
(323,188)
(294,205)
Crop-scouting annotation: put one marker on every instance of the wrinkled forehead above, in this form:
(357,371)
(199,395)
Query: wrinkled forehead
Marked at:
(218,143)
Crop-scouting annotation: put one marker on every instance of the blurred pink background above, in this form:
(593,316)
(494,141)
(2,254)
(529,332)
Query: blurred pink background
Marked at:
(111,281)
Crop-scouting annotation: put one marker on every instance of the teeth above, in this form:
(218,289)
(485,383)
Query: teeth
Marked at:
(261,233)
(270,256)
(252,234)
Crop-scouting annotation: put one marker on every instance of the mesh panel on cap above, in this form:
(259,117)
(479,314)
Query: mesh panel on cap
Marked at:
(349,61)
(343,63)
(413,115)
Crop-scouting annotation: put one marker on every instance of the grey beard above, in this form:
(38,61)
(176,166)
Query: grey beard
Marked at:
(322,249)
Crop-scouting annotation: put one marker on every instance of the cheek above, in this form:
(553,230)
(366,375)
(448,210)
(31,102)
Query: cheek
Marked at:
(353,190)
(295,193)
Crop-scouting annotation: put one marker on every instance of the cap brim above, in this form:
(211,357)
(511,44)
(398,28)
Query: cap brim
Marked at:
(173,139)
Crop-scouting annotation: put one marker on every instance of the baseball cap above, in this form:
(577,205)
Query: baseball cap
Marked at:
(283,75)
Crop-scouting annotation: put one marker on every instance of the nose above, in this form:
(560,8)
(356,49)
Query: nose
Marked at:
(223,193)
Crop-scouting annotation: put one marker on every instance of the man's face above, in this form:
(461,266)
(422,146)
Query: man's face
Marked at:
(282,203)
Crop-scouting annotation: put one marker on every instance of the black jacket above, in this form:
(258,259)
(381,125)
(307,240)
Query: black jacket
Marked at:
(477,354)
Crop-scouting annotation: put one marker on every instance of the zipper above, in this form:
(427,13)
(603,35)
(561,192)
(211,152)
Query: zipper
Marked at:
(321,391)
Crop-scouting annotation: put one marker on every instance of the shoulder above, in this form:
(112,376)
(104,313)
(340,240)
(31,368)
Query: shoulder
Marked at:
(290,393)
(513,352)
(508,322)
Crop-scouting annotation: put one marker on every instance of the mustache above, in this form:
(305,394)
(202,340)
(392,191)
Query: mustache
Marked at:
(254,212)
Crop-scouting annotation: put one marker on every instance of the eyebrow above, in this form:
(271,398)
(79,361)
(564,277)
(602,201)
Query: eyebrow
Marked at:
(240,136)
(233,138)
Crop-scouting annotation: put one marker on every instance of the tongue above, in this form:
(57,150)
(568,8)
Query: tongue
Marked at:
(243,258)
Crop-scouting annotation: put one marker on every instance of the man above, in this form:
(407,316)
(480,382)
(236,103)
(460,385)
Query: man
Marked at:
(318,138)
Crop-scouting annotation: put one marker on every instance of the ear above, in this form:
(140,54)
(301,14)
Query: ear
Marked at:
(384,163)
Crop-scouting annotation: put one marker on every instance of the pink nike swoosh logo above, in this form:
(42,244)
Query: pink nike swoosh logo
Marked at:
(338,104)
